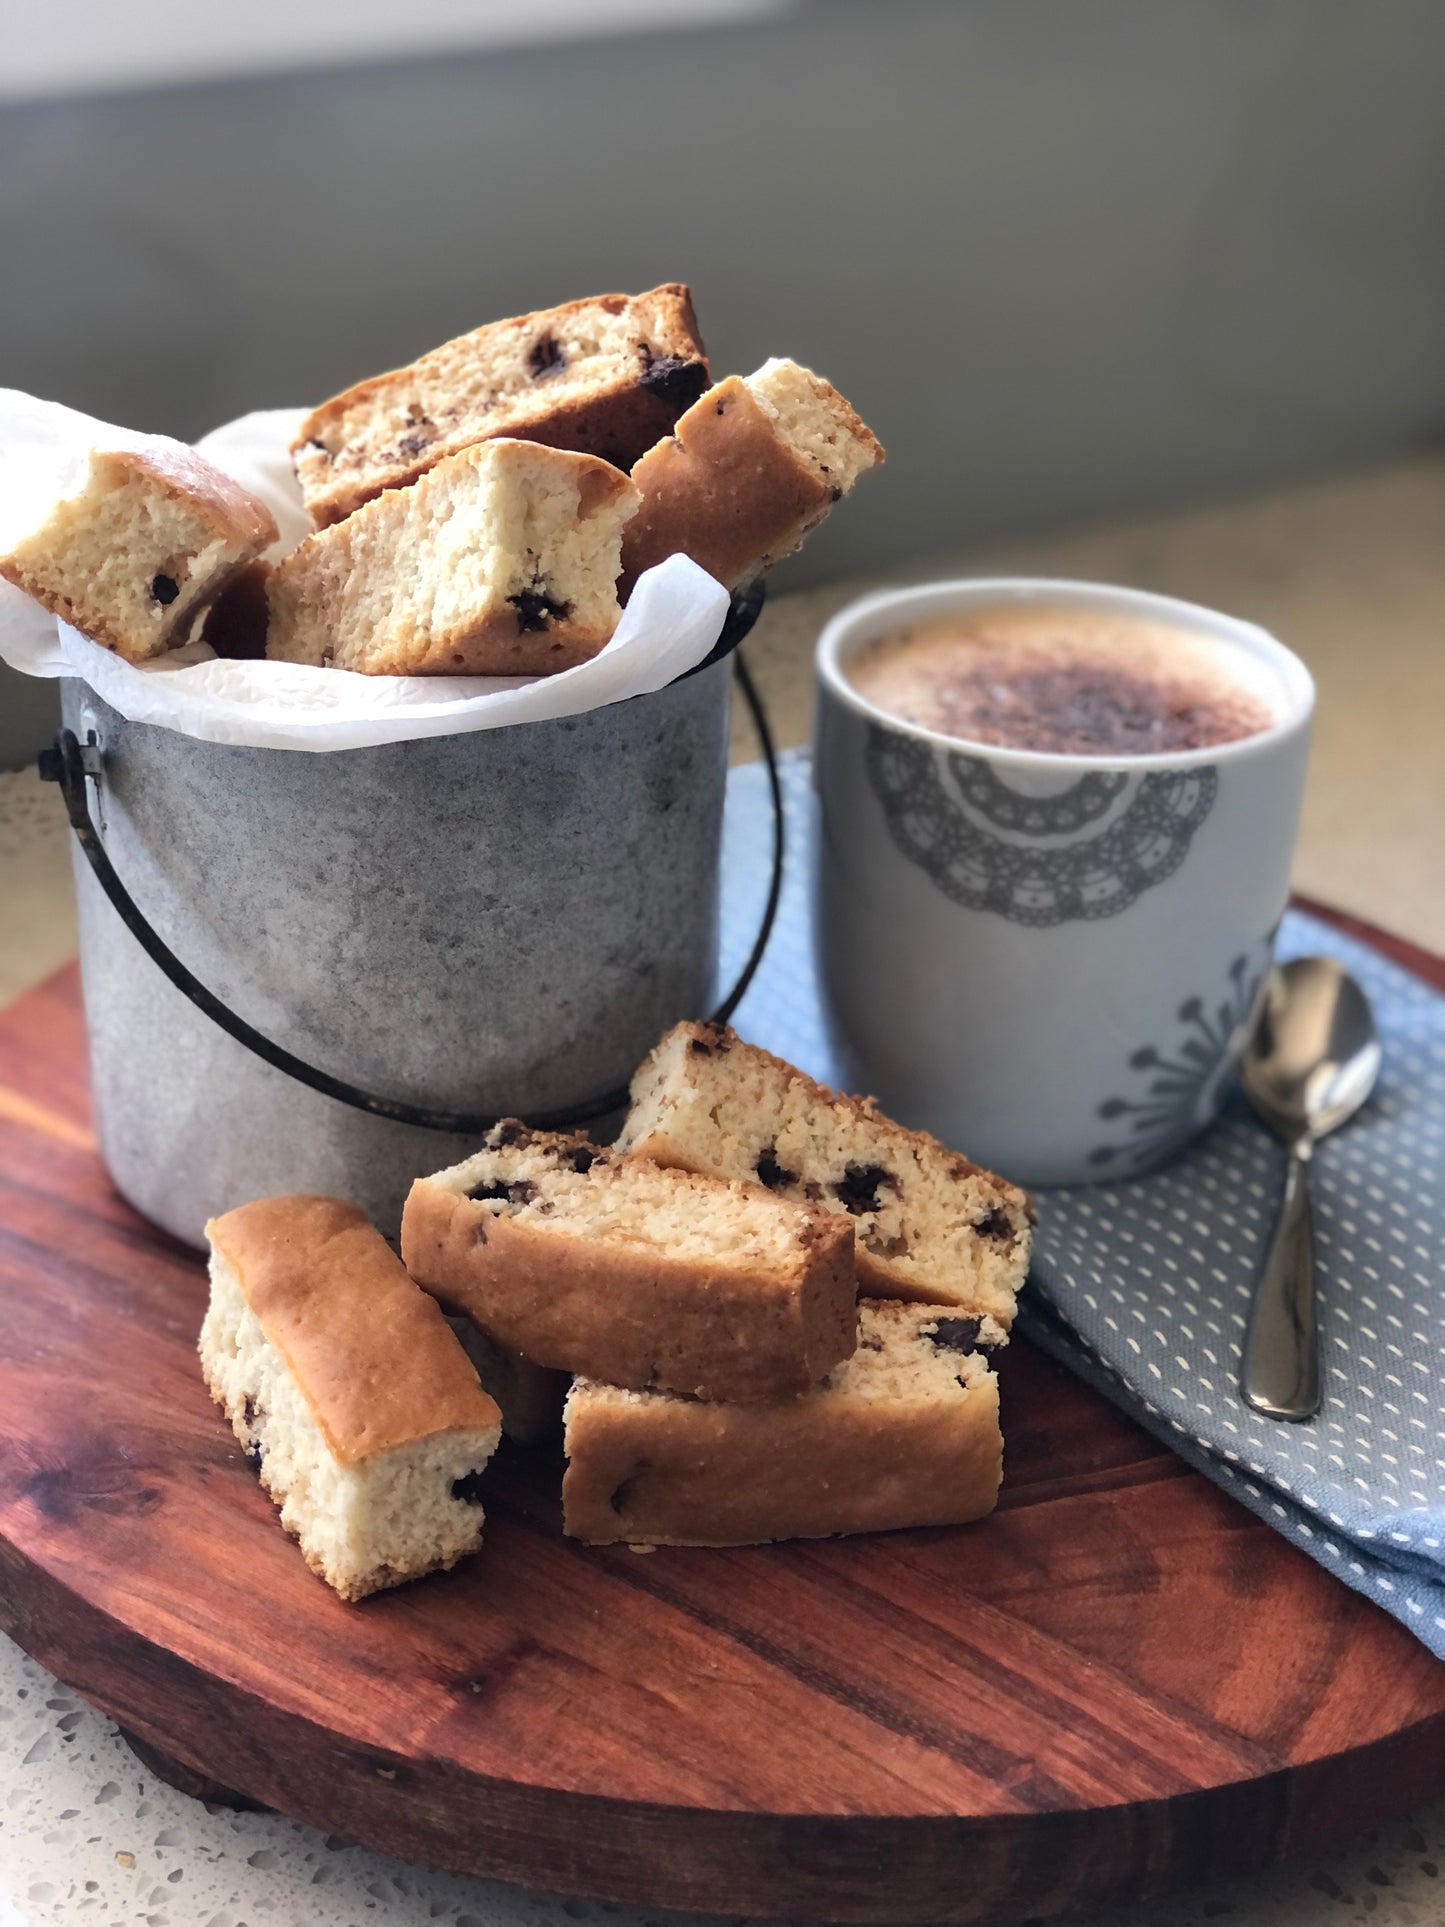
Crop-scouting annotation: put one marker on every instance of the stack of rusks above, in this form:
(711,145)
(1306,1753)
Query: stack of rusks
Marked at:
(484,511)
(766,1312)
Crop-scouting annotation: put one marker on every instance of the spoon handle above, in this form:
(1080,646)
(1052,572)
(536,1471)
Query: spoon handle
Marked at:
(1280,1371)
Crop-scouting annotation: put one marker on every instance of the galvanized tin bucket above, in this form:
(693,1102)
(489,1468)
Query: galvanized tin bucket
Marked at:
(418,938)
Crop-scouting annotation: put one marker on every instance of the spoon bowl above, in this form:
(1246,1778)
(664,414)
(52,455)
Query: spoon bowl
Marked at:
(1314,1056)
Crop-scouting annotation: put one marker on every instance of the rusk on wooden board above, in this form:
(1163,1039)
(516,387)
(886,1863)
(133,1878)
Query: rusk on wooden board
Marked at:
(903,1433)
(352,1398)
(585,1261)
(501,561)
(608,376)
(749,471)
(929,1224)
(153,536)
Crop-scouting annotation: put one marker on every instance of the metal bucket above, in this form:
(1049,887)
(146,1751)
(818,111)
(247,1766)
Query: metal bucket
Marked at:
(501,922)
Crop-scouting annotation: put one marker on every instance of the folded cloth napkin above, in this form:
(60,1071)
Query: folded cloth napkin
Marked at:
(1142,1286)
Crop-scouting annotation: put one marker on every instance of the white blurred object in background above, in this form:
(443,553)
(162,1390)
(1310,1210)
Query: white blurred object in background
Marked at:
(83,46)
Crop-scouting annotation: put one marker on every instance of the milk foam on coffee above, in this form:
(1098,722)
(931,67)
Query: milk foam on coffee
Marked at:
(1070,679)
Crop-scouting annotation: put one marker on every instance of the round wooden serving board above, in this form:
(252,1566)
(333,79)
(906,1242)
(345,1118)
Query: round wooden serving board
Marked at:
(1119,1682)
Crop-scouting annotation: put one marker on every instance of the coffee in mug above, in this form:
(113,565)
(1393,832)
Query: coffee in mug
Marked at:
(1057,826)
(1067,681)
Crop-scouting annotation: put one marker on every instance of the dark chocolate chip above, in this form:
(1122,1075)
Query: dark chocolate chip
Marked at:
(254,1456)
(165,589)
(858,1189)
(711,1040)
(468,1488)
(835,495)
(673,380)
(519,1191)
(774,1175)
(510,1131)
(249,1412)
(995,1225)
(546,357)
(956,1334)
(622,1493)
(536,611)
(582,1157)
(412,445)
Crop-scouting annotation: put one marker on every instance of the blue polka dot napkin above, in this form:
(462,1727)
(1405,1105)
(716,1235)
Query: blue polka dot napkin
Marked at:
(1143,1286)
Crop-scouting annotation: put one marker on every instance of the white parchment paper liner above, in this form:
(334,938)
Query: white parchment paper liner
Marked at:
(673,619)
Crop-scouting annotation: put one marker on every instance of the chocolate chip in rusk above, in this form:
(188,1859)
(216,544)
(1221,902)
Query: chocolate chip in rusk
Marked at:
(957,1334)
(774,1175)
(711,1040)
(622,1493)
(582,1158)
(165,589)
(537,610)
(673,379)
(857,1190)
(517,1191)
(546,357)
(995,1225)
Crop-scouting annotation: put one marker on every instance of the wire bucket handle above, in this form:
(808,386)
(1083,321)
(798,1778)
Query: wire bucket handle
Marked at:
(69,763)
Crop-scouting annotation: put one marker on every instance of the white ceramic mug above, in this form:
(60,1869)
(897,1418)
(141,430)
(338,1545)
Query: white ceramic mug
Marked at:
(1048,961)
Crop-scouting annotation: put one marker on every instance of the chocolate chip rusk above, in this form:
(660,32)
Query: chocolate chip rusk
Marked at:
(749,471)
(585,1261)
(348,1391)
(904,1433)
(930,1226)
(500,561)
(607,376)
(149,539)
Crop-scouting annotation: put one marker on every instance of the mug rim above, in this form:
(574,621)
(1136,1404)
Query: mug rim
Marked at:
(869,616)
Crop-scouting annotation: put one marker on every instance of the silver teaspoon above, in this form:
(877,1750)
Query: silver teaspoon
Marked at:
(1310,1064)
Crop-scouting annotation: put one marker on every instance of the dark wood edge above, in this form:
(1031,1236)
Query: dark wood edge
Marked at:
(829,1868)
(1422,963)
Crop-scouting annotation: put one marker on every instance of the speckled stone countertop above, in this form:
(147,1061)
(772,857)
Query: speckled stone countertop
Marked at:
(1351,573)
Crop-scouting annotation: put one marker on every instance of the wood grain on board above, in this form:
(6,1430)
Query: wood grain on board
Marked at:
(1121,1681)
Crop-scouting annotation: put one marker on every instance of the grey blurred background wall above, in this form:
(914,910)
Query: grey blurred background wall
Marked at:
(1068,257)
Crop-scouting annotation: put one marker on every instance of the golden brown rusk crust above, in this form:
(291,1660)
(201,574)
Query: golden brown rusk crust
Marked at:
(152,538)
(582,1260)
(606,376)
(930,1225)
(904,1433)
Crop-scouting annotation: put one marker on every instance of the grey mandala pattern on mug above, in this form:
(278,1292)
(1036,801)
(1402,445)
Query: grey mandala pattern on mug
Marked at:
(1038,884)
(1066,814)
(1181,1084)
